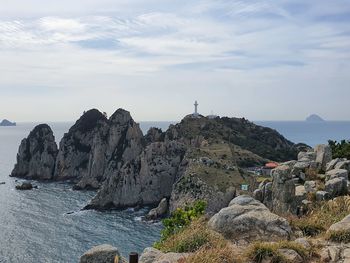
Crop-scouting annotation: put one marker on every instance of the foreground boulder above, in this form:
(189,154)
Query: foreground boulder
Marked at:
(341,226)
(336,187)
(36,155)
(101,254)
(249,220)
(152,255)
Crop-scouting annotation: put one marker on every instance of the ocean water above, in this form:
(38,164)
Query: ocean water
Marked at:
(46,224)
(311,133)
(35,226)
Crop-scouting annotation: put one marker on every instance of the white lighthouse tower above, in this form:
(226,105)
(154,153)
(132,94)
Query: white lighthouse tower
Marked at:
(195,114)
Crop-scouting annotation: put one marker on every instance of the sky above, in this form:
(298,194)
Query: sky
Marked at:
(258,59)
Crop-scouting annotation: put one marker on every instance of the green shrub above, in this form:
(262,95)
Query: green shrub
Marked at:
(181,218)
(340,149)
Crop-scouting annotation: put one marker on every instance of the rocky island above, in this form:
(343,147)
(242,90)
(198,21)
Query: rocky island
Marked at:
(7,123)
(198,158)
(314,118)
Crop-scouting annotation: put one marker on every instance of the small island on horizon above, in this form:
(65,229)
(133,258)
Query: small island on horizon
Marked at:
(314,118)
(7,123)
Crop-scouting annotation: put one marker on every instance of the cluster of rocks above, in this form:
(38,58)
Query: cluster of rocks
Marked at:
(313,173)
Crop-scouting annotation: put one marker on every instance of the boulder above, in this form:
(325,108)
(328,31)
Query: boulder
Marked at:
(322,196)
(341,226)
(36,155)
(336,187)
(100,254)
(291,255)
(310,186)
(159,211)
(331,164)
(300,192)
(152,255)
(303,242)
(25,186)
(343,165)
(323,156)
(337,173)
(306,156)
(248,219)
(258,194)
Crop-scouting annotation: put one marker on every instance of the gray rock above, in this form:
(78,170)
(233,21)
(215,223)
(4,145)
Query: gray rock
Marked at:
(159,211)
(300,192)
(25,186)
(306,156)
(151,255)
(337,173)
(323,155)
(322,196)
(341,226)
(248,219)
(343,165)
(100,254)
(304,242)
(331,164)
(336,187)
(36,155)
(310,186)
(258,194)
(291,255)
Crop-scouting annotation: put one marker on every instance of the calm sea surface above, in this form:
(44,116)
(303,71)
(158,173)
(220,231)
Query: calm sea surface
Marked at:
(35,226)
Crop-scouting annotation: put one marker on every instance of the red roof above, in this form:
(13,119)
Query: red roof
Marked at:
(271,165)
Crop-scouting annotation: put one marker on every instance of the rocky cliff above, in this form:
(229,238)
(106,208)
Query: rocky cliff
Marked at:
(130,169)
(37,155)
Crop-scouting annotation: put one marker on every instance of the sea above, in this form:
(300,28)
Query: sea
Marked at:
(47,224)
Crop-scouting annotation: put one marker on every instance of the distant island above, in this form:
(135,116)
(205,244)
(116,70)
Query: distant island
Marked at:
(7,123)
(314,118)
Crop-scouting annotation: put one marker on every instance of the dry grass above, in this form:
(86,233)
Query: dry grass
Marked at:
(322,216)
(339,236)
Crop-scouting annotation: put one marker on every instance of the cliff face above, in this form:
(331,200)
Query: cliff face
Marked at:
(195,159)
(36,155)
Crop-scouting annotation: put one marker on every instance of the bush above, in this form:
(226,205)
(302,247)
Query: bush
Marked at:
(341,149)
(179,220)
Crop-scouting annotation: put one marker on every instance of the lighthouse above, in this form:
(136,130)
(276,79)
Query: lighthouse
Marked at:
(195,114)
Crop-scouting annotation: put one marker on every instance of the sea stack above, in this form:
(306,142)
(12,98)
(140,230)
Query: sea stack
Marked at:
(36,155)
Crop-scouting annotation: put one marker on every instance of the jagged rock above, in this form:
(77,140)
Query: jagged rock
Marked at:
(331,164)
(283,191)
(36,155)
(291,255)
(154,135)
(322,196)
(248,219)
(100,254)
(143,179)
(336,187)
(310,186)
(25,186)
(159,211)
(323,155)
(343,165)
(152,255)
(337,173)
(306,156)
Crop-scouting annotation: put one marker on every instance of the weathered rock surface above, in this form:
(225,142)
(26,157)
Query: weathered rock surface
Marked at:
(336,187)
(337,173)
(323,155)
(341,226)
(291,255)
(248,219)
(100,254)
(159,211)
(36,155)
(152,255)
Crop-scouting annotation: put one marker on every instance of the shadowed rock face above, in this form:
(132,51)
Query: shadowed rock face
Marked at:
(36,155)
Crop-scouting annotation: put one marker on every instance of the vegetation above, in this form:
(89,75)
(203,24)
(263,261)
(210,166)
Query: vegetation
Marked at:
(339,236)
(340,149)
(322,216)
(260,251)
(177,222)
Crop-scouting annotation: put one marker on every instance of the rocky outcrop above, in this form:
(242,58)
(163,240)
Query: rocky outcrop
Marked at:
(36,155)
(143,180)
(159,211)
(101,254)
(323,156)
(152,255)
(247,219)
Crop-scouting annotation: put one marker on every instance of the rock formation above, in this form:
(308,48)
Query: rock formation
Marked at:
(247,219)
(36,155)
(102,254)
(7,123)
